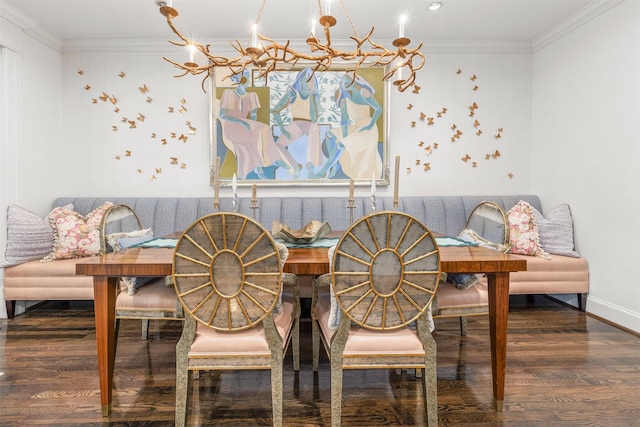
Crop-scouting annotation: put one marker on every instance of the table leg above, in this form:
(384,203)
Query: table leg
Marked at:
(104,294)
(498,315)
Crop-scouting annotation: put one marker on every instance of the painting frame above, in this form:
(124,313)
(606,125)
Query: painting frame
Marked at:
(330,145)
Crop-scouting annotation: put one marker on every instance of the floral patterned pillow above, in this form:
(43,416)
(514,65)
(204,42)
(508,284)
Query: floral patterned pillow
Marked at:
(525,238)
(74,234)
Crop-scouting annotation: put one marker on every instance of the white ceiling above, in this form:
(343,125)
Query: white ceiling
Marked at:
(458,20)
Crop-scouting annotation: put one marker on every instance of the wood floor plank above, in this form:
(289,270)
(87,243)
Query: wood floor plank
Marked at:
(564,368)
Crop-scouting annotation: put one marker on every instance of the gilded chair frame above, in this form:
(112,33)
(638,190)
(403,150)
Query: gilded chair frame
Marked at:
(151,301)
(117,218)
(476,299)
(499,213)
(228,276)
(369,304)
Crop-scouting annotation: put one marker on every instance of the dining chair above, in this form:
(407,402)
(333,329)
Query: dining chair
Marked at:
(488,226)
(370,311)
(241,310)
(121,228)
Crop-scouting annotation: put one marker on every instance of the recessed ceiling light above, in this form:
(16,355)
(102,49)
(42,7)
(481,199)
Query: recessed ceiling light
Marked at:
(435,5)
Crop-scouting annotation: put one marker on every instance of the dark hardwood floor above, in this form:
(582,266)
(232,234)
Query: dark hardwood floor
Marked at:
(564,369)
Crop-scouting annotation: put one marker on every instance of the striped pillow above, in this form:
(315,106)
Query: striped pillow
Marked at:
(29,237)
(556,231)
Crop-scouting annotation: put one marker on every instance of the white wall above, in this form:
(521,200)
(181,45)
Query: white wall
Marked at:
(30,136)
(503,99)
(90,146)
(585,146)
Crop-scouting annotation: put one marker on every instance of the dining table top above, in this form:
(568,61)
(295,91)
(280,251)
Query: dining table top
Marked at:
(301,261)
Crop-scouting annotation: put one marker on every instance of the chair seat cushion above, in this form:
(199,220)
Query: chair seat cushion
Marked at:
(155,296)
(212,343)
(362,341)
(449,296)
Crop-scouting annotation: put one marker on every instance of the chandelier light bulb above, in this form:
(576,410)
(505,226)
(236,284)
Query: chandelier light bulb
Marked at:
(327,8)
(403,20)
(313,28)
(254,35)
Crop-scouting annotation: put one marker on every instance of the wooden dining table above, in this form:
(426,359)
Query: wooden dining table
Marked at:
(107,269)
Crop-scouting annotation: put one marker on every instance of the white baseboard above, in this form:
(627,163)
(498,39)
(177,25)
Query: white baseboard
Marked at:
(613,313)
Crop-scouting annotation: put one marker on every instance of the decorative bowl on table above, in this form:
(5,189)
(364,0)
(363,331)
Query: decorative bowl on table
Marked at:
(308,234)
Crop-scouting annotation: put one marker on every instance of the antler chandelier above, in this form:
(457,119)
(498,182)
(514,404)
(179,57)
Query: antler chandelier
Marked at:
(266,54)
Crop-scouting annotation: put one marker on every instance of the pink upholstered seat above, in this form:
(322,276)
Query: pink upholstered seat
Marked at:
(211,343)
(155,297)
(362,341)
(454,302)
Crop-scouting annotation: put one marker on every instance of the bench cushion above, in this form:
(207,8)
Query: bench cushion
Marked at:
(56,280)
(558,275)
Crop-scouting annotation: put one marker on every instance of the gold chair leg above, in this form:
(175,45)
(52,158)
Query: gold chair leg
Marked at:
(430,382)
(463,326)
(116,331)
(276,388)
(296,345)
(338,343)
(336,392)
(315,344)
(182,391)
(145,329)
(182,370)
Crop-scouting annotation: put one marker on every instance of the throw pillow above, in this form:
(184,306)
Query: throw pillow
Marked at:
(119,241)
(124,240)
(29,237)
(471,236)
(525,238)
(464,280)
(556,231)
(74,234)
(135,283)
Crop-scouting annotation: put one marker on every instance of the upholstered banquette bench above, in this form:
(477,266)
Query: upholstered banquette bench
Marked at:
(35,280)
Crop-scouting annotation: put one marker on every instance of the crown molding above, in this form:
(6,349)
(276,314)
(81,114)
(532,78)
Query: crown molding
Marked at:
(588,13)
(139,45)
(29,26)
(477,47)
(162,46)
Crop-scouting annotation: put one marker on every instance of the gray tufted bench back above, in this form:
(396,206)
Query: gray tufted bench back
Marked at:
(165,215)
